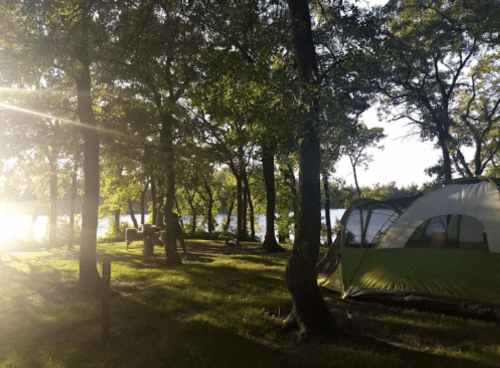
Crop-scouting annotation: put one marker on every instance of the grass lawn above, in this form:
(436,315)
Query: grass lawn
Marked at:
(222,308)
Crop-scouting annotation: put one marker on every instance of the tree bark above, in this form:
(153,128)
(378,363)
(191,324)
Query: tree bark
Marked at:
(244,212)
(53,203)
(71,231)
(172,257)
(310,312)
(478,168)
(239,223)
(160,207)
(117,215)
(250,205)
(446,160)
(210,206)
(90,280)
(270,244)
(194,213)
(292,184)
(327,210)
(353,164)
(143,201)
(228,221)
(153,199)
(161,218)
(132,213)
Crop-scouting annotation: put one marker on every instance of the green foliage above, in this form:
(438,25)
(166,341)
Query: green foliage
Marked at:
(425,58)
(477,115)
(345,196)
(286,195)
(112,235)
(62,232)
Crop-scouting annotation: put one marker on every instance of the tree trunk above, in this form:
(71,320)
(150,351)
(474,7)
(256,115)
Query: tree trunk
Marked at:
(292,184)
(327,210)
(446,161)
(210,219)
(310,312)
(53,203)
(250,205)
(116,222)
(153,199)
(239,223)
(71,231)
(478,168)
(194,218)
(132,213)
(90,280)
(353,164)
(244,224)
(461,159)
(160,205)
(194,214)
(228,221)
(270,244)
(172,257)
(143,201)
(210,206)
(160,220)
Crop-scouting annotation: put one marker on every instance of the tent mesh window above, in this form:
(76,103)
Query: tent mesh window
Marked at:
(449,232)
(366,225)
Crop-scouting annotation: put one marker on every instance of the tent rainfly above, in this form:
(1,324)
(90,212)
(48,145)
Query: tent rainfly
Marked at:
(444,242)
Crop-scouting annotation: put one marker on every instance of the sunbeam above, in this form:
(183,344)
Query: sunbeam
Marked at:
(64,120)
(14,90)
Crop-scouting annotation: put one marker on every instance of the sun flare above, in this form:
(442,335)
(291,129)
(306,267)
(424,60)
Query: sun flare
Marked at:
(11,226)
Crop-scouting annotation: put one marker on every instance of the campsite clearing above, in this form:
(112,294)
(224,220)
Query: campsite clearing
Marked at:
(221,309)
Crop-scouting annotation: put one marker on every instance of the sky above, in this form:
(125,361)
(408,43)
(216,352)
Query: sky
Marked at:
(402,160)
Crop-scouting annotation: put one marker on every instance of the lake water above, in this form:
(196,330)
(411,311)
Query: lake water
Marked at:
(12,226)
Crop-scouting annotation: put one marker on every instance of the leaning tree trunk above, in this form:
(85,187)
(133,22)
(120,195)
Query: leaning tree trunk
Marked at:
(310,314)
(270,244)
(132,213)
(354,172)
(172,257)
(228,221)
(90,281)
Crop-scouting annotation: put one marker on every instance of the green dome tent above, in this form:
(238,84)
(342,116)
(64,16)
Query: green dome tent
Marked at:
(444,242)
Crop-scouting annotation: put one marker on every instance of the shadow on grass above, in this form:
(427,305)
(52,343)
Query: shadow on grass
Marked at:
(200,321)
(271,260)
(144,337)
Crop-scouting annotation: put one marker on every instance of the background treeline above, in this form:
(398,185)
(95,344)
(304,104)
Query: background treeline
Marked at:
(188,106)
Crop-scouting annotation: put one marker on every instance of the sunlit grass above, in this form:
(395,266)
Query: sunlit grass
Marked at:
(216,310)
